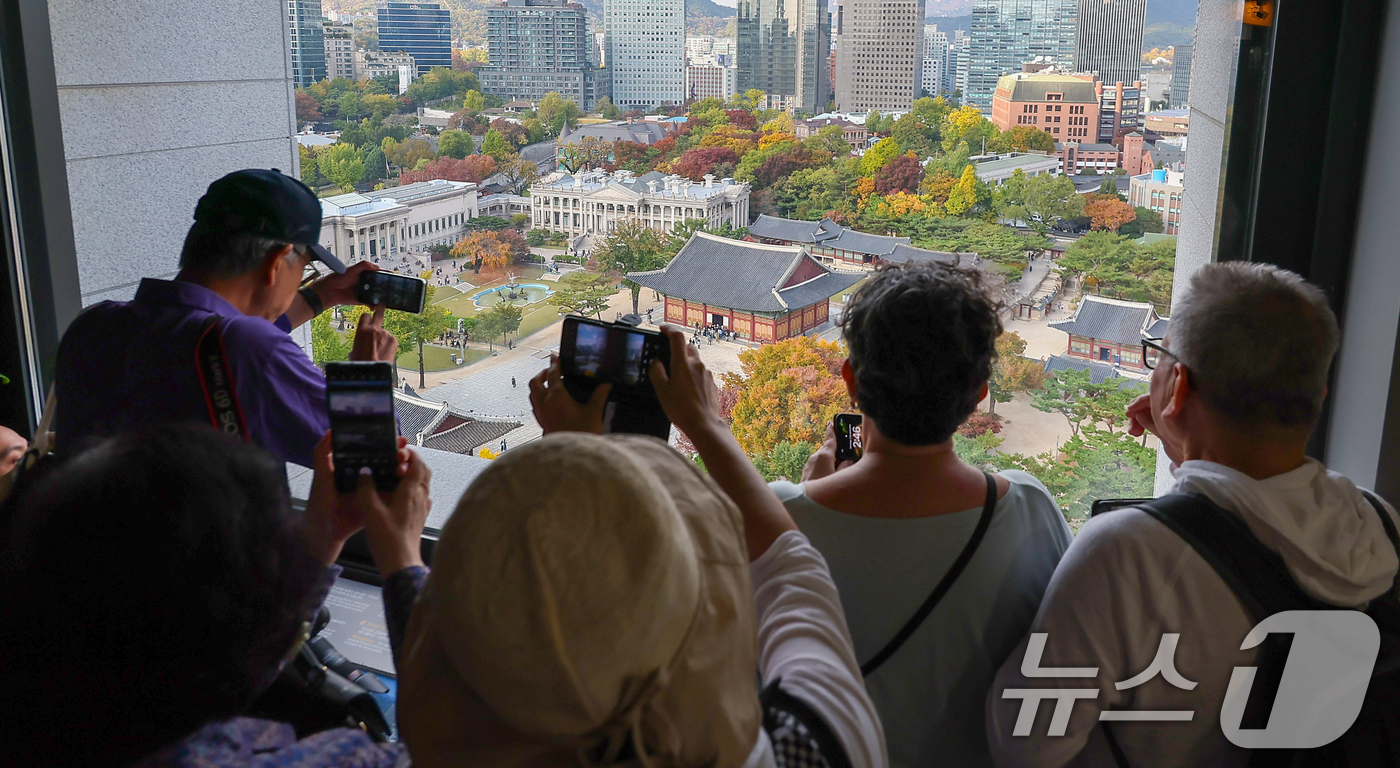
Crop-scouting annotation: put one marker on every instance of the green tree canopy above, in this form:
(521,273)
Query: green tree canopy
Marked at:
(1042,200)
(875,158)
(342,165)
(415,330)
(631,247)
(495,145)
(584,293)
(456,144)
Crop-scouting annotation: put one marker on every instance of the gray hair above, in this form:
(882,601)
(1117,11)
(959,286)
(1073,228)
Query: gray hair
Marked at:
(1258,341)
(219,254)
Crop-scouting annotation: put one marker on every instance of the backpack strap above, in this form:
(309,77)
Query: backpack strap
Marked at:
(800,737)
(216,378)
(912,625)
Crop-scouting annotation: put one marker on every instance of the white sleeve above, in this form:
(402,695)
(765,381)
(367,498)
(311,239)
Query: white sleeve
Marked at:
(802,638)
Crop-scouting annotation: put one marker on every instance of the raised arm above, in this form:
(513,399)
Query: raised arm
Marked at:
(691,400)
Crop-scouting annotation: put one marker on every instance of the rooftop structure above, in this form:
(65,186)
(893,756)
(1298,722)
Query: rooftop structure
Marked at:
(1160,190)
(996,169)
(595,202)
(1112,330)
(640,131)
(760,292)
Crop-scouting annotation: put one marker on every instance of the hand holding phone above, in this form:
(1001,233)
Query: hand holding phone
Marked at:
(364,432)
(400,292)
(849,446)
(593,353)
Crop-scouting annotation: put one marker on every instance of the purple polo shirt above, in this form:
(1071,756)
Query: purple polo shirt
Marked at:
(123,364)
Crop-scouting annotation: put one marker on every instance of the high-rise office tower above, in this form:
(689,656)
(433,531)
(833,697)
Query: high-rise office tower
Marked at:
(1181,75)
(880,55)
(421,30)
(935,61)
(308,44)
(645,51)
(1108,39)
(1008,33)
(782,51)
(534,47)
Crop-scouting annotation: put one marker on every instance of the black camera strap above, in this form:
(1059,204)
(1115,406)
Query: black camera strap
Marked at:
(915,621)
(220,393)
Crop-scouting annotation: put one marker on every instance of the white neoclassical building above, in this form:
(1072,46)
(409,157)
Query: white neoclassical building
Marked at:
(387,222)
(595,202)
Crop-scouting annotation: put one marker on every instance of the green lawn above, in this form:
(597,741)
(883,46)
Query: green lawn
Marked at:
(461,305)
(437,358)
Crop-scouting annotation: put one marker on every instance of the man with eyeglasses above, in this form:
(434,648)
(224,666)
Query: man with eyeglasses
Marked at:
(246,279)
(1236,389)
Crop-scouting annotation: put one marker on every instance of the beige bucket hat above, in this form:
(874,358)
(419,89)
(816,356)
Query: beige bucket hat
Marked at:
(589,605)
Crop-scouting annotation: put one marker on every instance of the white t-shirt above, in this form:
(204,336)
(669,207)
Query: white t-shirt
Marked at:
(930,693)
(802,639)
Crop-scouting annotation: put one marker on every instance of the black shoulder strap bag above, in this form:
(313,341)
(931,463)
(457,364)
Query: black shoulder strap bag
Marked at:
(931,602)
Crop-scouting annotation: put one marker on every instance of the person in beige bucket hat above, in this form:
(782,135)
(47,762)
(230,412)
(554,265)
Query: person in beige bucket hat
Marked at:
(598,600)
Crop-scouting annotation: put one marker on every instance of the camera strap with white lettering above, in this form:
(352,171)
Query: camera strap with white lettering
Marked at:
(220,394)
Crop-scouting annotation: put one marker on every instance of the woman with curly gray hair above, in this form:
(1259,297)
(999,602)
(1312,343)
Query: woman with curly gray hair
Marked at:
(940,566)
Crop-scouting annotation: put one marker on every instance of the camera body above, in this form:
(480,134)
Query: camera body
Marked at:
(594,352)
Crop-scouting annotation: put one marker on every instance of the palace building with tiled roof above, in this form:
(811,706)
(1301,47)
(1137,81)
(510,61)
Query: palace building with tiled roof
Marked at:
(760,292)
(841,246)
(1111,331)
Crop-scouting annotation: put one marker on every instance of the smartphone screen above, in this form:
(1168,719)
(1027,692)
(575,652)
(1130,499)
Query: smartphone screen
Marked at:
(603,353)
(592,352)
(360,400)
(849,446)
(399,292)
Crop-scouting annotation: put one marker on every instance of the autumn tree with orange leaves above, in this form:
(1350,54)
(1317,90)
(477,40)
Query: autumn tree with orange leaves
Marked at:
(787,393)
(1108,212)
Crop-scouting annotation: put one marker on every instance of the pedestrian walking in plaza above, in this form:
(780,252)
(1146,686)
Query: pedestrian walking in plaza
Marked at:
(512,382)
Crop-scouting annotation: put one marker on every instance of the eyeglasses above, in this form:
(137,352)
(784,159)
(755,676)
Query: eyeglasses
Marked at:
(1152,352)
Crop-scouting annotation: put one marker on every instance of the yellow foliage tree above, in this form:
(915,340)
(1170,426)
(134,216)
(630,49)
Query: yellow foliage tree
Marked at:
(775,138)
(780,124)
(787,393)
(963,196)
(493,253)
(486,453)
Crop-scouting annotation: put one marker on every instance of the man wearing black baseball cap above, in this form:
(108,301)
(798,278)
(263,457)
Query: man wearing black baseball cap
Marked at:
(244,283)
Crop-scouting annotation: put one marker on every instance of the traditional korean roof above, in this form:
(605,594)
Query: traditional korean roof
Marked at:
(827,232)
(906,253)
(863,242)
(1121,322)
(746,276)
(1098,372)
(792,230)
(443,428)
(466,436)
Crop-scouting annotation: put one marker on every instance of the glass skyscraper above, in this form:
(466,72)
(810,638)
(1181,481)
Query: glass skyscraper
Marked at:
(422,30)
(783,50)
(308,41)
(1008,33)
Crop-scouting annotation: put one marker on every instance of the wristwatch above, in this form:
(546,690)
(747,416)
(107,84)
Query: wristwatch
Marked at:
(312,300)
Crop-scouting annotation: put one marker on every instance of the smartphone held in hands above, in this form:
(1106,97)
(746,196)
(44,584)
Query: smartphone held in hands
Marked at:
(848,442)
(593,352)
(406,294)
(364,432)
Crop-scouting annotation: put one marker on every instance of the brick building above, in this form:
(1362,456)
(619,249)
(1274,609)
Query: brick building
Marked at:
(760,292)
(1066,106)
(854,133)
(1111,331)
(1076,158)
